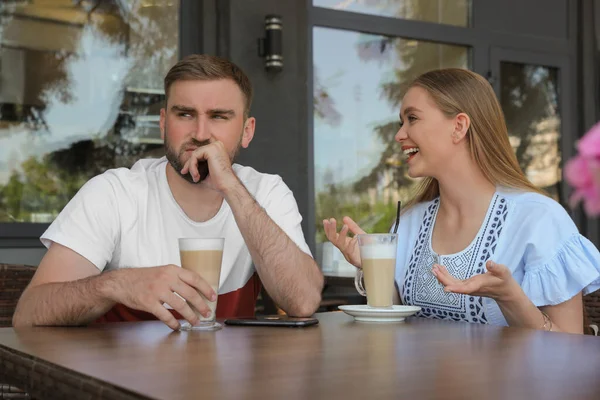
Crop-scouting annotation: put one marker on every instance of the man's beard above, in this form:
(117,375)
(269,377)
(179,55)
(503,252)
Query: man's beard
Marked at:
(175,158)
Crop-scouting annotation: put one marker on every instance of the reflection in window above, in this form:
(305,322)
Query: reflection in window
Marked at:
(80,92)
(359,83)
(449,12)
(529,97)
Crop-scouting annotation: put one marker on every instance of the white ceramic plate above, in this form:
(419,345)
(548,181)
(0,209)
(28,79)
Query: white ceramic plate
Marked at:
(364,313)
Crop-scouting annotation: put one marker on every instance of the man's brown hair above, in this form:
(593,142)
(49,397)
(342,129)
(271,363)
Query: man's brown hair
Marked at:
(204,67)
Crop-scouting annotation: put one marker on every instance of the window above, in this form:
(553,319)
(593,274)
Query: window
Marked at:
(81,87)
(529,97)
(359,81)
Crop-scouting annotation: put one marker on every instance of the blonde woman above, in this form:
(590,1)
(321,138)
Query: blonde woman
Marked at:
(478,242)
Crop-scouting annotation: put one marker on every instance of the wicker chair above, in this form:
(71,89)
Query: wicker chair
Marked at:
(591,303)
(13,280)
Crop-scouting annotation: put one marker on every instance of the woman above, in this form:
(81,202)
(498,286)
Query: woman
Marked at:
(478,242)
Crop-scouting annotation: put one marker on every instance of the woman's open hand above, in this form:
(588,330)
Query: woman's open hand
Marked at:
(347,245)
(497,283)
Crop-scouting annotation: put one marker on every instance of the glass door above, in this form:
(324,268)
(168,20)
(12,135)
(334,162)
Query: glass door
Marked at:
(536,100)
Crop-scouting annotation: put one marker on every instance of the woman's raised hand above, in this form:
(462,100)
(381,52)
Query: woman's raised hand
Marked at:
(347,245)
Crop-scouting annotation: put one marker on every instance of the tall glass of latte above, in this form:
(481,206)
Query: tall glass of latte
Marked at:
(203,256)
(378,257)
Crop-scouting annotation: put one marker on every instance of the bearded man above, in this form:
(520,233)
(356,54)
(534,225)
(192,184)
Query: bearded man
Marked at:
(113,250)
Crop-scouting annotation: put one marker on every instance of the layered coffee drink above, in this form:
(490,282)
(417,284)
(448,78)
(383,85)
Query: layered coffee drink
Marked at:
(379,266)
(207,264)
(378,258)
(204,257)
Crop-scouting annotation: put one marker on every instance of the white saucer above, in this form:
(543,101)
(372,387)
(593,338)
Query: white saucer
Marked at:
(364,313)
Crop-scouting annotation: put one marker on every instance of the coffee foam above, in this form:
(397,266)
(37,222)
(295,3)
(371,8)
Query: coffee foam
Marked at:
(378,251)
(198,244)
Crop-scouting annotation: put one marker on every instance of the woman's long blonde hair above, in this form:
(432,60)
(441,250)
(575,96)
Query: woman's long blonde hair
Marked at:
(457,91)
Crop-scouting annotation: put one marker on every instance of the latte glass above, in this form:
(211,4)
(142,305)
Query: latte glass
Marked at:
(204,257)
(378,257)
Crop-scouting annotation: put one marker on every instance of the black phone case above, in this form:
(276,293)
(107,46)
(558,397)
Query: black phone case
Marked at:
(273,321)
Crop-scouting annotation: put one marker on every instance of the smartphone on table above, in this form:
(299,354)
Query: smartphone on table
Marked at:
(273,320)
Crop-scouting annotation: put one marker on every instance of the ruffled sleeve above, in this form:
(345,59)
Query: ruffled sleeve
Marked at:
(548,256)
(574,267)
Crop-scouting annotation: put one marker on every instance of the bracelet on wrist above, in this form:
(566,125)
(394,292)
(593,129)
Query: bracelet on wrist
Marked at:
(547,322)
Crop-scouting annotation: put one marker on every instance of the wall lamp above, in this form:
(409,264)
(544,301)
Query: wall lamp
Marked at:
(271,46)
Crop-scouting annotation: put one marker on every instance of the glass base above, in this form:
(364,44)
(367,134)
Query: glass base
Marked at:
(201,326)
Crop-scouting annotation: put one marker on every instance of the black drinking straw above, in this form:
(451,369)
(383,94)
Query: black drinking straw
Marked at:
(398,217)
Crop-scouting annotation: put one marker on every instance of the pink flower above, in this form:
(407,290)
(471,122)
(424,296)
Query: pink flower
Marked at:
(589,145)
(583,173)
(577,172)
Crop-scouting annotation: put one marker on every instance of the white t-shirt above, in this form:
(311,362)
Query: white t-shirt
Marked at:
(129,218)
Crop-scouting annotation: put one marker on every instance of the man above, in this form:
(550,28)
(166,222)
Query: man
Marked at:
(114,246)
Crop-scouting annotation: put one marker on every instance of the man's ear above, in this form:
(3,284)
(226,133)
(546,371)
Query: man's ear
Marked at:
(462,122)
(163,114)
(248,134)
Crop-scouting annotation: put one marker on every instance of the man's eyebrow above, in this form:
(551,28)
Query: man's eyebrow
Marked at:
(221,111)
(178,107)
(409,110)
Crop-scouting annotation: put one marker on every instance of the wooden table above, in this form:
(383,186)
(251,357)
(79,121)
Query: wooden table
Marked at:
(338,358)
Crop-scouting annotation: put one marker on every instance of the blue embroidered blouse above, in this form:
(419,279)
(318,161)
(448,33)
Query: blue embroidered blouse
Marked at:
(529,233)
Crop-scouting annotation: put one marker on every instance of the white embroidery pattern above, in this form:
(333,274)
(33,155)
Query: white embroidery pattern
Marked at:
(421,288)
